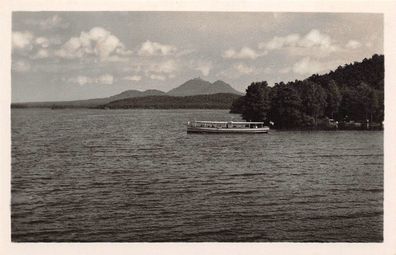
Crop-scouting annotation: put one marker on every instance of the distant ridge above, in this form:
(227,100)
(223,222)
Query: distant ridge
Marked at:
(198,86)
(212,101)
(91,103)
(192,87)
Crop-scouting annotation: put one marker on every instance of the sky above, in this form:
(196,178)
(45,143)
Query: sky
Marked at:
(79,55)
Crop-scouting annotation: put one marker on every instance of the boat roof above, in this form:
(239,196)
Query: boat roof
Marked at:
(227,122)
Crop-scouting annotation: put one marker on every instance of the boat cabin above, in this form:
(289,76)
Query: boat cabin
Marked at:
(225,124)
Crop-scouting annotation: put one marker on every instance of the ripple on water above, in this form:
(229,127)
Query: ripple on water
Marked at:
(135,175)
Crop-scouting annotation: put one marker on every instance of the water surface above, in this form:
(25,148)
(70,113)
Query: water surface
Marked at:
(136,175)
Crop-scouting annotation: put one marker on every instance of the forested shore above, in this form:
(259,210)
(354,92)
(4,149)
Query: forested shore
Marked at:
(350,97)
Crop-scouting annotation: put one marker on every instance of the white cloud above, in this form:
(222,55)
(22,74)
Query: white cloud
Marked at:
(315,39)
(203,66)
(149,48)
(244,53)
(132,78)
(42,42)
(313,43)
(97,42)
(236,71)
(22,40)
(157,77)
(52,22)
(20,66)
(243,69)
(353,44)
(154,69)
(308,66)
(106,79)
(280,42)
(41,53)
(27,41)
(71,49)
(167,67)
(101,79)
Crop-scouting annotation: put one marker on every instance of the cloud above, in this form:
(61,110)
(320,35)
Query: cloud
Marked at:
(49,23)
(308,66)
(41,53)
(42,42)
(101,79)
(132,78)
(28,45)
(243,69)
(149,48)
(22,40)
(280,42)
(244,53)
(167,67)
(27,41)
(153,69)
(353,44)
(20,66)
(203,66)
(98,42)
(157,77)
(315,39)
(237,70)
(313,43)
(54,22)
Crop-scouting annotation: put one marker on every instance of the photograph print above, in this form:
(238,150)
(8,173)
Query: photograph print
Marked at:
(140,126)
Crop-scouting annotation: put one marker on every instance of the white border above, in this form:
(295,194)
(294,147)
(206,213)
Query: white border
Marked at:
(386,7)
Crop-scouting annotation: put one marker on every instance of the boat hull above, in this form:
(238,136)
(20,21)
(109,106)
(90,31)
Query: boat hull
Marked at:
(207,130)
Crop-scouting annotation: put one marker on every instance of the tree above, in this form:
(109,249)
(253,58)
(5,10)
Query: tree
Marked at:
(238,105)
(333,99)
(379,113)
(348,109)
(313,100)
(367,101)
(351,92)
(256,102)
(285,106)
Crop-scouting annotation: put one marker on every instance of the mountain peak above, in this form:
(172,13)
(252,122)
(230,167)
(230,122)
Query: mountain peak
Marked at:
(219,82)
(198,86)
(137,93)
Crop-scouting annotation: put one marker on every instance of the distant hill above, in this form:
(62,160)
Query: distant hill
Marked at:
(136,93)
(91,103)
(192,87)
(213,101)
(199,86)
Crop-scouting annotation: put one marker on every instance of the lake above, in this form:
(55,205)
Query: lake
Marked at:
(136,175)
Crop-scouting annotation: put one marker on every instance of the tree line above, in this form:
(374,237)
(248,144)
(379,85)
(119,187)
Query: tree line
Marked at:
(211,101)
(353,92)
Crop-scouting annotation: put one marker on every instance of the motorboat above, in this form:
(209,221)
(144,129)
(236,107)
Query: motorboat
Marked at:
(226,127)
